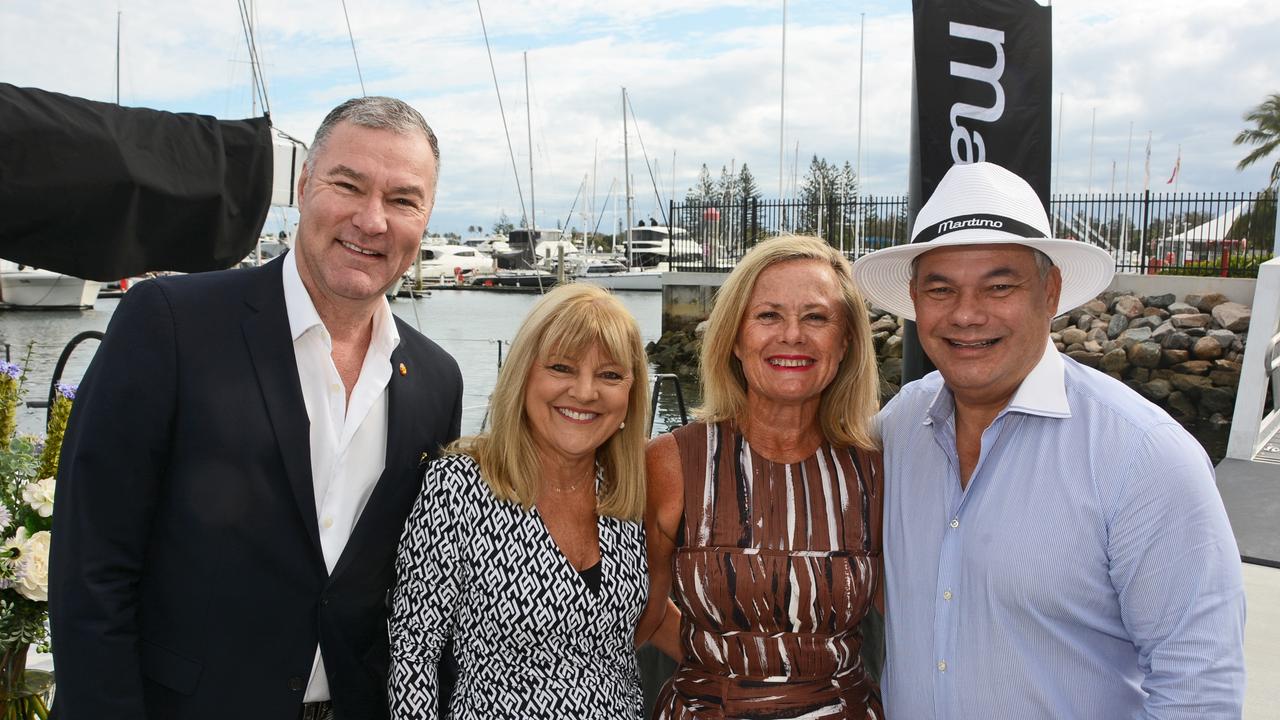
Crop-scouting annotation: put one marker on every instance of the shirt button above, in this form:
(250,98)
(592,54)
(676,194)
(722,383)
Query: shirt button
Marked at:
(955,522)
(946,595)
(942,666)
(328,523)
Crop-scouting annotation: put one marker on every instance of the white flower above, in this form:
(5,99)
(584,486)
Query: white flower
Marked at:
(33,572)
(11,557)
(6,517)
(12,548)
(39,495)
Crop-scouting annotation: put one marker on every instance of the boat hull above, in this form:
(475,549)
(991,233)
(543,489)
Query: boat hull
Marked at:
(43,290)
(641,280)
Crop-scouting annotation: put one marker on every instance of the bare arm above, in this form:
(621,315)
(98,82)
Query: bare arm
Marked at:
(660,622)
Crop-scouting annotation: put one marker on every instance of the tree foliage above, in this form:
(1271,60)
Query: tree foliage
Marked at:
(503,226)
(1264,135)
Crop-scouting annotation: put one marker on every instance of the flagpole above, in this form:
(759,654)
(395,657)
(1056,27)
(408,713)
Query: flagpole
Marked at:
(1128,157)
(862,37)
(782,102)
(1057,161)
(1177,170)
(1093,127)
(1146,168)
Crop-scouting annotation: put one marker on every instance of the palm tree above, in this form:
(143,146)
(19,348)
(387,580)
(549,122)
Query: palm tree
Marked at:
(1266,135)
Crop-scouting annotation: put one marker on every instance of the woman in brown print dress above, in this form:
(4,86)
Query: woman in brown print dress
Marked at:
(763,521)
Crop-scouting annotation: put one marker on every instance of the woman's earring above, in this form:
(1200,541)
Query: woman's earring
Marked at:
(622,424)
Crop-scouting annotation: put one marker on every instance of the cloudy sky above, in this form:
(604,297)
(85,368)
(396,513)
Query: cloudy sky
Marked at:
(703,77)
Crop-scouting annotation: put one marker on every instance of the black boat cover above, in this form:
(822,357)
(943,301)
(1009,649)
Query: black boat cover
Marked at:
(105,192)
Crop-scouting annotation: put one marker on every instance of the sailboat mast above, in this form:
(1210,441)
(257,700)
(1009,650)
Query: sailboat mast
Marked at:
(528,115)
(118,13)
(626,171)
(782,102)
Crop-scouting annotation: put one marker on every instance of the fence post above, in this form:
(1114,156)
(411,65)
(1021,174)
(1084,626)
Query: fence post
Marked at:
(1142,230)
(1275,204)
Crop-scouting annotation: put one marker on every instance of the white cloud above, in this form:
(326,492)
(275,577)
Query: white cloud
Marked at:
(703,77)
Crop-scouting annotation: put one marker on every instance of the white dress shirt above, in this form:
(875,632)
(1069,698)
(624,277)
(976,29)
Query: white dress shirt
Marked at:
(348,439)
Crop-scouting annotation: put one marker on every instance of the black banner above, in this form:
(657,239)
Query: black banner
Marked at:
(982,89)
(983,86)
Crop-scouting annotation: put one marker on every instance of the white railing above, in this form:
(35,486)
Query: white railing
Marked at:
(1249,429)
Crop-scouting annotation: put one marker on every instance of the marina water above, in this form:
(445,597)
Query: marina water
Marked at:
(467,324)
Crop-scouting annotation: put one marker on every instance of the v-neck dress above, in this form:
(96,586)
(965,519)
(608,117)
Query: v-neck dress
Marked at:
(775,567)
(532,640)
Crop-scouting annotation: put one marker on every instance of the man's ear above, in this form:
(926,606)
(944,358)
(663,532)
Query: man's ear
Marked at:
(302,180)
(1053,290)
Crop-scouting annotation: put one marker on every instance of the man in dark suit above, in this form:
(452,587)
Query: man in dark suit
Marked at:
(243,454)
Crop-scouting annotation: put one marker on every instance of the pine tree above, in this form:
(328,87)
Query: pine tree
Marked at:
(725,187)
(818,189)
(705,189)
(747,188)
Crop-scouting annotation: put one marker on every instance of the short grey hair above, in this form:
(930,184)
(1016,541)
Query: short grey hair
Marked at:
(1043,263)
(377,113)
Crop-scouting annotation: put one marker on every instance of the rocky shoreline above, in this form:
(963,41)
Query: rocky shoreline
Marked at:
(1184,356)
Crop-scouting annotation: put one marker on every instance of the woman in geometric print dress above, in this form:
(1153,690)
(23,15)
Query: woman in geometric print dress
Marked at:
(525,546)
(764,516)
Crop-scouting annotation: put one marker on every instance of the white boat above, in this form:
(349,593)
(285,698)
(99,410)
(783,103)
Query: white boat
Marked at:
(611,272)
(46,290)
(445,263)
(654,246)
(487,245)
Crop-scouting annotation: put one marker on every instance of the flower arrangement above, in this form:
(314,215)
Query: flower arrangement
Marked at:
(28,466)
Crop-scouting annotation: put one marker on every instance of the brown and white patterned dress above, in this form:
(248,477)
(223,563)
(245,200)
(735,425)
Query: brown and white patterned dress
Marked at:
(775,567)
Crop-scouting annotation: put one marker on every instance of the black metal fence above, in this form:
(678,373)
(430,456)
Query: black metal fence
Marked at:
(1217,234)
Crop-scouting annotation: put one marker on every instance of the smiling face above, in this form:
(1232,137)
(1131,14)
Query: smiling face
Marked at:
(983,314)
(363,203)
(793,333)
(575,404)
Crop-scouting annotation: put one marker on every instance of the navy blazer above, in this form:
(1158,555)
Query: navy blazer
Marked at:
(187,580)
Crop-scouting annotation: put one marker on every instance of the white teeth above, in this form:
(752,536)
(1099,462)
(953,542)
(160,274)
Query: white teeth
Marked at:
(983,343)
(349,246)
(780,362)
(575,415)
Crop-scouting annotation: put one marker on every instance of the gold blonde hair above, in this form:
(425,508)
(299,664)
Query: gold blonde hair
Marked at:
(853,397)
(566,322)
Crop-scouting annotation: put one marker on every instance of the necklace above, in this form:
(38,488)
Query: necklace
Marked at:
(566,487)
(569,489)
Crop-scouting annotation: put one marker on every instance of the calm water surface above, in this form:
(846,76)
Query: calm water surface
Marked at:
(468,324)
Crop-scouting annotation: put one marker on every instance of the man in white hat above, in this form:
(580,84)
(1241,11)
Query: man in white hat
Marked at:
(1055,545)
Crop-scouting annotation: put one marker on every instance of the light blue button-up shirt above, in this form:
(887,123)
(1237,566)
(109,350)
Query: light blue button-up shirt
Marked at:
(1087,571)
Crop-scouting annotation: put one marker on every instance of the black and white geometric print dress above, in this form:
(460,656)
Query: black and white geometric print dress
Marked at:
(531,639)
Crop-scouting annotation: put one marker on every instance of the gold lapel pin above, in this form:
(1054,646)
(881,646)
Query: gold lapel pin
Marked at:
(403,370)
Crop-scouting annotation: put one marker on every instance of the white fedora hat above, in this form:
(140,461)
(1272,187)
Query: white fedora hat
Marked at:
(982,204)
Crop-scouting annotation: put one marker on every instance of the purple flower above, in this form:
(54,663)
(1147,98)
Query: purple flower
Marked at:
(67,390)
(13,370)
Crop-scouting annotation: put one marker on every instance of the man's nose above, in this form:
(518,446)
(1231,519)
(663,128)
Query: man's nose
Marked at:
(968,309)
(371,218)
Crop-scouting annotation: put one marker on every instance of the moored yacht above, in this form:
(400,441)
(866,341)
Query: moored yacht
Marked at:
(33,288)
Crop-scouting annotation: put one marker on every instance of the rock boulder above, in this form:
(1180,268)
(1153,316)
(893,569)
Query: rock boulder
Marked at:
(1232,316)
